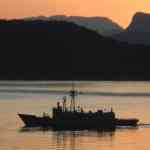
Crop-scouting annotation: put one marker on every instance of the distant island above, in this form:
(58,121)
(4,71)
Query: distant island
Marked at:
(62,50)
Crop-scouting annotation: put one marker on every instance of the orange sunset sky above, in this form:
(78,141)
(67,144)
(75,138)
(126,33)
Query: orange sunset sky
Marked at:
(121,11)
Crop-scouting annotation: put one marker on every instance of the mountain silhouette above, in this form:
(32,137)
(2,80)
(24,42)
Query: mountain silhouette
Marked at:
(138,32)
(102,25)
(60,50)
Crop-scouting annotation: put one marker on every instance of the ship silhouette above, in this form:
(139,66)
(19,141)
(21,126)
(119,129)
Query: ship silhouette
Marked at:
(73,117)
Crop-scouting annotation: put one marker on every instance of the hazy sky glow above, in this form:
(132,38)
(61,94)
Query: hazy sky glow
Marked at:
(120,11)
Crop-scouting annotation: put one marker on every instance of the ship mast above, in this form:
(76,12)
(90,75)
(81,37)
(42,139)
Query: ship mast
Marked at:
(72,95)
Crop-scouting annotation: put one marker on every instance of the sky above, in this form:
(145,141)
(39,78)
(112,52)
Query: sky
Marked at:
(120,11)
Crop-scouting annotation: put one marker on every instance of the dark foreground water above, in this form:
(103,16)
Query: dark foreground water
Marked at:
(129,99)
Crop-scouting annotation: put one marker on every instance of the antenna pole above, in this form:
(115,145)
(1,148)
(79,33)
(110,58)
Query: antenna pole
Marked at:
(72,94)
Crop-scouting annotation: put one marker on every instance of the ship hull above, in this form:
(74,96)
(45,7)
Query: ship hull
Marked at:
(126,122)
(83,124)
(101,124)
(34,121)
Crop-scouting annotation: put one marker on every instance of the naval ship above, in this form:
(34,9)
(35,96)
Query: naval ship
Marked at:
(72,117)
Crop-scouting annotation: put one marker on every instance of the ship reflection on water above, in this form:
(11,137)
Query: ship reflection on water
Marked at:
(72,140)
(81,139)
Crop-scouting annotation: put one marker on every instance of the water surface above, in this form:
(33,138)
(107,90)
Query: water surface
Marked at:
(128,99)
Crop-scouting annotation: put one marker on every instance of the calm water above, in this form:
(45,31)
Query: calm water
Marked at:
(129,99)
